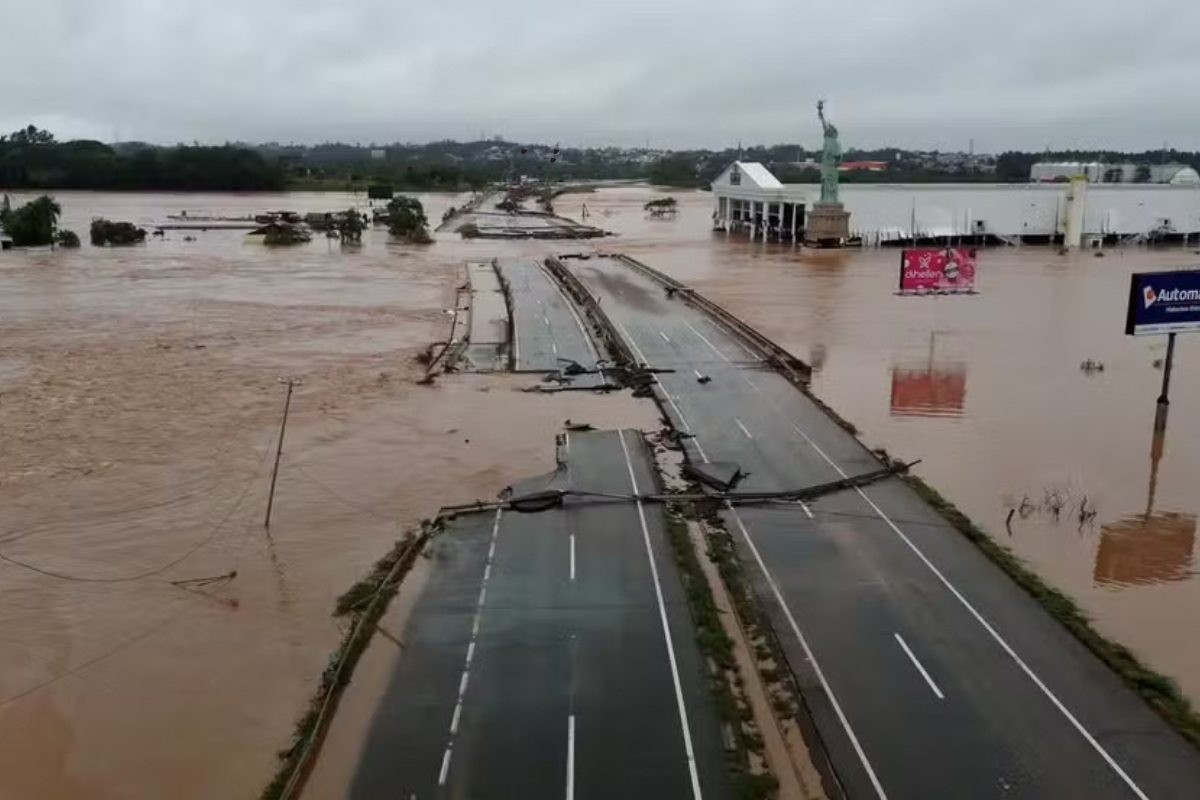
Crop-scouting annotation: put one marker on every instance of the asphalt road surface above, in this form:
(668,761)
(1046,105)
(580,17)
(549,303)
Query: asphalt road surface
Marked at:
(547,328)
(551,655)
(928,672)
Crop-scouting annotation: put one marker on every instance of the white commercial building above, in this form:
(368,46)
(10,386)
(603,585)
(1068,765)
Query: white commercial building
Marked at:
(748,199)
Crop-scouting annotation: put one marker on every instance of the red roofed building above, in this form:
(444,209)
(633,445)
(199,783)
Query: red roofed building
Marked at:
(869,166)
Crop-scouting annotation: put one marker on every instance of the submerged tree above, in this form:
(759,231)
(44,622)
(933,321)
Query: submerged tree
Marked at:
(350,227)
(33,224)
(406,220)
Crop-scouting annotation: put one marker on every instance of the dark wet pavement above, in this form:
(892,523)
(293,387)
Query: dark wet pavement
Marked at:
(542,657)
(912,646)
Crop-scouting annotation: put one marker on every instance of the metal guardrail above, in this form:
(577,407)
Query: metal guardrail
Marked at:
(616,347)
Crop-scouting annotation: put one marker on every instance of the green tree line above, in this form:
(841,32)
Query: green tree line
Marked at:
(33,159)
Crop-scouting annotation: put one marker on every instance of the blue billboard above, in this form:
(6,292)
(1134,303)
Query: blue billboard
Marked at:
(1163,302)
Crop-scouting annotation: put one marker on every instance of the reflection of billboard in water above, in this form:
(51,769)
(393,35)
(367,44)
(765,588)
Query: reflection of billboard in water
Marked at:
(947,269)
(1146,549)
(929,391)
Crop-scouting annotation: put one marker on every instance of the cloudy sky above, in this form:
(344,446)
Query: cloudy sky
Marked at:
(678,73)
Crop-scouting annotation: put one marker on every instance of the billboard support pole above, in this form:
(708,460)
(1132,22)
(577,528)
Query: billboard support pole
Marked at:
(1164,402)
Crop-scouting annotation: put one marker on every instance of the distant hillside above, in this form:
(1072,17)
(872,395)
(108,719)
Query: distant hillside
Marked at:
(32,158)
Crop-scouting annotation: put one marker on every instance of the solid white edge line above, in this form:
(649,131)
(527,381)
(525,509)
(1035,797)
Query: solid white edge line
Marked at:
(732,335)
(666,626)
(466,674)
(921,669)
(743,427)
(715,349)
(778,594)
(687,426)
(812,659)
(1004,645)
(921,555)
(571,307)
(571,757)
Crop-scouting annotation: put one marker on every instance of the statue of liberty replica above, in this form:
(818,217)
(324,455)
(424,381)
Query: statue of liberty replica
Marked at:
(828,223)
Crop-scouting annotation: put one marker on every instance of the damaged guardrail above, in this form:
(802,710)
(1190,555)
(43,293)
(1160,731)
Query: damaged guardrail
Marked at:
(551,498)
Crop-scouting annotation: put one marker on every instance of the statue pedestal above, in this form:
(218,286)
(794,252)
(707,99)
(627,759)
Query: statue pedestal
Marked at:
(827,225)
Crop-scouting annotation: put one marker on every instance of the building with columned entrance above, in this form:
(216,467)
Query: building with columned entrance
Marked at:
(749,200)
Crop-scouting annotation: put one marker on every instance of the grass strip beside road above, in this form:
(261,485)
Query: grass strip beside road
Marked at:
(363,605)
(724,681)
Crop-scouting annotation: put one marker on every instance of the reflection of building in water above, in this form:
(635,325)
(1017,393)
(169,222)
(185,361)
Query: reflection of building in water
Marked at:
(929,392)
(1146,548)
(1152,547)
(929,388)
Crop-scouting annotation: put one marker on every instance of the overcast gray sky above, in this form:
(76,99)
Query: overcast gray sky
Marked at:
(678,73)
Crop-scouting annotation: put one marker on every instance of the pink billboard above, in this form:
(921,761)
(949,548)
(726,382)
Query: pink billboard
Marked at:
(949,269)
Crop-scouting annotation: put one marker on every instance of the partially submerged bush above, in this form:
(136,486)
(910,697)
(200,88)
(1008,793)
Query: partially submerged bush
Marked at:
(284,235)
(68,239)
(104,232)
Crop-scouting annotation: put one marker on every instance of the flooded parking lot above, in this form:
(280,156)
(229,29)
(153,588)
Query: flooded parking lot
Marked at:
(988,390)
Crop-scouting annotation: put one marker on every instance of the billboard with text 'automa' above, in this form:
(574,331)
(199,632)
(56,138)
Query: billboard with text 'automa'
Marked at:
(1163,302)
(945,269)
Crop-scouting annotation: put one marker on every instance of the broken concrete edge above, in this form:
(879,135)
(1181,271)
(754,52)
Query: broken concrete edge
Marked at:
(363,604)
(1159,691)
(451,350)
(468,207)
(451,359)
(605,332)
(754,618)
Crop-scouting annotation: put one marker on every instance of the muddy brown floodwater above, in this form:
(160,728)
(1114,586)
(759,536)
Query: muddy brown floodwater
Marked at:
(988,390)
(140,398)
(139,404)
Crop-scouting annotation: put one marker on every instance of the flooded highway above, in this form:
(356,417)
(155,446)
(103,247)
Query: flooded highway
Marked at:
(988,391)
(140,400)
(139,405)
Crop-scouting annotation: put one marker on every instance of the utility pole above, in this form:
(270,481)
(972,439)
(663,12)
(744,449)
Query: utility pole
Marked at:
(1164,400)
(287,404)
